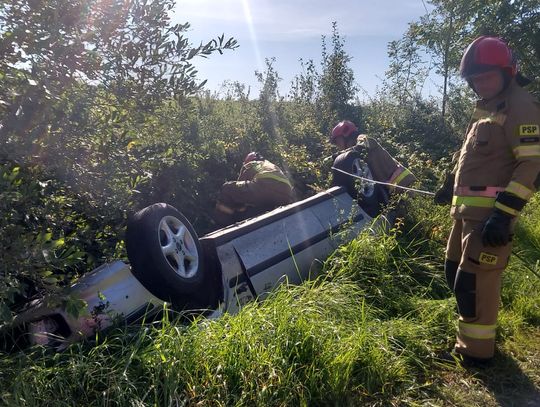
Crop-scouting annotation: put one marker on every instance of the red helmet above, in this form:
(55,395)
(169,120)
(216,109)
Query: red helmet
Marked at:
(486,54)
(253,156)
(344,129)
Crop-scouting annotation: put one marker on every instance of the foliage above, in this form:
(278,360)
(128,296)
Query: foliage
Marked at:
(102,114)
(46,239)
(336,85)
(366,333)
(80,89)
(130,49)
(451,25)
(268,108)
(406,73)
(415,134)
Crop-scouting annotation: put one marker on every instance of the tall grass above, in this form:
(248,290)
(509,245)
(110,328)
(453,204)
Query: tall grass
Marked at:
(367,332)
(319,343)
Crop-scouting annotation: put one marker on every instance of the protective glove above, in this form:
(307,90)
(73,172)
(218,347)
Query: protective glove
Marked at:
(496,230)
(443,196)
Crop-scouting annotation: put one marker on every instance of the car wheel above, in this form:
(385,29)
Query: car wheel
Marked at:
(164,252)
(371,197)
(352,163)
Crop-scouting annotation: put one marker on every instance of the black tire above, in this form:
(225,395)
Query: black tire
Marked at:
(370,197)
(352,162)
(164,252)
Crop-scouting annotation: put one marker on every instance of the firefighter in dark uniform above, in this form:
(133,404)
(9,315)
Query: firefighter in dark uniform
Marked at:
(261,187)
(496,170)
(382,166)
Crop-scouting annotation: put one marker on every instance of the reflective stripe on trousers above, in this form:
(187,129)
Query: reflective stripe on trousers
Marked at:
(477,331)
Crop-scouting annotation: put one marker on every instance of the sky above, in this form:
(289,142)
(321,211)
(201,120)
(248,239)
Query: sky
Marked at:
(288,30)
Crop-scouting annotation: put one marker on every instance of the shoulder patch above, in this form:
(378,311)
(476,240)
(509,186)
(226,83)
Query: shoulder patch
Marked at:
(527,130)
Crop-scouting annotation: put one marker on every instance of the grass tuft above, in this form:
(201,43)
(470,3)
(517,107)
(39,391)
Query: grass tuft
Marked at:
(367,332)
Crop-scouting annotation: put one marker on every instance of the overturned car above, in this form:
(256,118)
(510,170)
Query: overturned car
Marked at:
(216,273)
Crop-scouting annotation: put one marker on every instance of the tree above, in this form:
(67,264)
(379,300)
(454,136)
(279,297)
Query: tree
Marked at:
(336,84)
(446,30)
(85,85)
(304,85)
(128,48)
(269,98)
(406,74)
(441,32)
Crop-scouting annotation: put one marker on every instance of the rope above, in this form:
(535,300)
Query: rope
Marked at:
(533,271)
(384,183)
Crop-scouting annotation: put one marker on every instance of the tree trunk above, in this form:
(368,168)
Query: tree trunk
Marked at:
(446,62)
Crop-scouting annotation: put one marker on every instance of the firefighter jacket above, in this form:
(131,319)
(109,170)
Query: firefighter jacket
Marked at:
(499,161)
(382,165)
(262,170)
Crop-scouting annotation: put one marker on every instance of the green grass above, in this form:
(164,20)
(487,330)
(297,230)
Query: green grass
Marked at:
(314,344)
(367,332)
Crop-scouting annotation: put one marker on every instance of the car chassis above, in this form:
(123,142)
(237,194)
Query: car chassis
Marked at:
(217,273)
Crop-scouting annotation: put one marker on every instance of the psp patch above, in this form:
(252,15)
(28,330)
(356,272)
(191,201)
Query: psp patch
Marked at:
(486,258)
(528,130)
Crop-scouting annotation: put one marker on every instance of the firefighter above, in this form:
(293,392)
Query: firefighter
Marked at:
(261,187)
(496,170)
(383,167)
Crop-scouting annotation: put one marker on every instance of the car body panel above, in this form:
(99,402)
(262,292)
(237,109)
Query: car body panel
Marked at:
(287,244)
(246,260)
(110,291)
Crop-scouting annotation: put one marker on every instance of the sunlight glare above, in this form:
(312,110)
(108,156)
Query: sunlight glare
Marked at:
(253,35)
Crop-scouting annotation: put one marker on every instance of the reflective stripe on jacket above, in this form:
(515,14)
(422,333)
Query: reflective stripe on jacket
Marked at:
(502,150)
(254,170)
(382,165)
(399,177)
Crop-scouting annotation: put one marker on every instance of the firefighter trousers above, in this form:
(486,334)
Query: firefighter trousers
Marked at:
(473,271)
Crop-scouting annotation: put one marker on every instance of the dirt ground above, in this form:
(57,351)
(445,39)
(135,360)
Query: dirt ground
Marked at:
(512,380)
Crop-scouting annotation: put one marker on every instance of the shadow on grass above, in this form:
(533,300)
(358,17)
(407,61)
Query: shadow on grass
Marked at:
(508,384)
